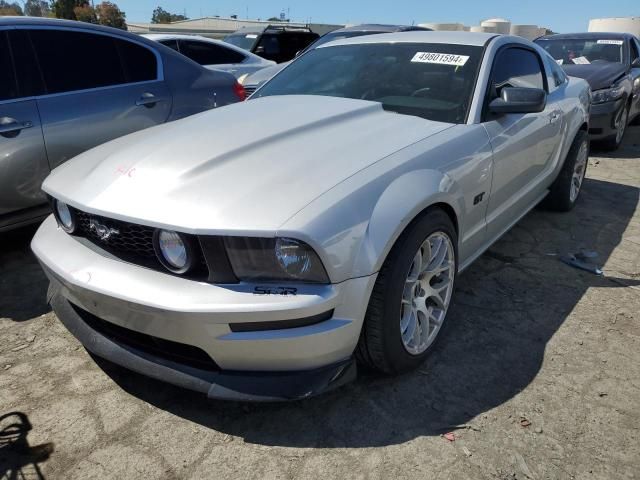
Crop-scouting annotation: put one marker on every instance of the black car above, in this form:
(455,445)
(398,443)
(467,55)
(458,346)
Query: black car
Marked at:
(274,42)
(610,62)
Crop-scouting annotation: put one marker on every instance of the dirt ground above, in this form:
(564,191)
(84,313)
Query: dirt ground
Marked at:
(538,377)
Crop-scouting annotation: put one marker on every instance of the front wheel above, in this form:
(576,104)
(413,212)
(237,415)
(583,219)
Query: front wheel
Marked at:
(409,303)
(620,122)
(564,192)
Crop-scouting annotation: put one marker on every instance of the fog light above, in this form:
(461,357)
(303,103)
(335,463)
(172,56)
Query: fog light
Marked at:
(173,251)
(65,217)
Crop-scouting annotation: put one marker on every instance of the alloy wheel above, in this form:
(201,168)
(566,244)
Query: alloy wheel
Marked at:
(579,170)
(427,293)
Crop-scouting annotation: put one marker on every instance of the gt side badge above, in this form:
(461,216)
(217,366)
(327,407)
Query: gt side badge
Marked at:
(478,198)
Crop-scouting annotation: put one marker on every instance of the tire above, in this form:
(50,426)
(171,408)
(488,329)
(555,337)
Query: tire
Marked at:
(381,346)
(560,197)
(613,142)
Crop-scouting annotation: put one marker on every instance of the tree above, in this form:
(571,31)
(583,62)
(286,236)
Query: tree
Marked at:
(65,8)
(85,13)
(37,8)
(7,8)
(160,15)
(110,15)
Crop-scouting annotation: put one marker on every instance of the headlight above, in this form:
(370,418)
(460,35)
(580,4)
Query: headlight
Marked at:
(173,250)
(607,94)
(271,259)
(64,216)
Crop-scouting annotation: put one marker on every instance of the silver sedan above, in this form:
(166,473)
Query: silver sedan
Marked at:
(264,266)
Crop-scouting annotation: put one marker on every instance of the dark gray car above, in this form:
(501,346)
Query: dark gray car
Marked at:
(66,87)
(610,62)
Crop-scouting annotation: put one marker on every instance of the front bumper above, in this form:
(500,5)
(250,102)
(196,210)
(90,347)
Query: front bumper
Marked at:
(196,314)
(602,118)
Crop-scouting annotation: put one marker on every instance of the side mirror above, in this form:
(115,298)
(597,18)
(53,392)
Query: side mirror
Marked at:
(519,100)
(636,63)
(259,50)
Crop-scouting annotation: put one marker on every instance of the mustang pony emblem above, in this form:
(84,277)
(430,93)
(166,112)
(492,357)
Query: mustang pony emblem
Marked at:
(103,232)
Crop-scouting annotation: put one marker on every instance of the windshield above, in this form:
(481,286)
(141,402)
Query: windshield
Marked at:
(429,80)
(580,51)
(246,40)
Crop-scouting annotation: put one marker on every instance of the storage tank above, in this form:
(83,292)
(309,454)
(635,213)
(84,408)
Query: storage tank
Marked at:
(616,24)
(449,27)
(499,24)
(529,32)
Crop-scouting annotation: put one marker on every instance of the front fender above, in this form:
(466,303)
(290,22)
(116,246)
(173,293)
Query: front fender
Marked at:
(399,204)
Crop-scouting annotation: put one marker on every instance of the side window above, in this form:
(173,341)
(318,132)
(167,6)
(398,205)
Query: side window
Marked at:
(8,84)
(271,45)
(516,67)
(72,60)
(28,73)
(140,63)
(634,50)
(209,53)
(172,44)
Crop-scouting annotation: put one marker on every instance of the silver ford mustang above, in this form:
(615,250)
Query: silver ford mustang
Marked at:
(258,251)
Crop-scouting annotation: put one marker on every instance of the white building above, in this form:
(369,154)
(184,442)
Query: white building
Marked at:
(218,27)
(616,24)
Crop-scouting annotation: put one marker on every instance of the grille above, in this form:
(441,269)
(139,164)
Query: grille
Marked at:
(130,239)
(132,243)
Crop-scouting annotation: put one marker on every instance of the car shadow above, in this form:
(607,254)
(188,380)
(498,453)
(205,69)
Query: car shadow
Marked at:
(508,306)
(23,284)
(17,458)
(630,148)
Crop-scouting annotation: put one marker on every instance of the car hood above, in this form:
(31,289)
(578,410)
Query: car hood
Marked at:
(601,75)
(247,167)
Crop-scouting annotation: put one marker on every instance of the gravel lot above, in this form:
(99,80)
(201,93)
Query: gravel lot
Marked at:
(538,377)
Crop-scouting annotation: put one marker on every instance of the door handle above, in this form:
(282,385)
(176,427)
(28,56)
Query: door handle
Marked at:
(148,100)
(11,125)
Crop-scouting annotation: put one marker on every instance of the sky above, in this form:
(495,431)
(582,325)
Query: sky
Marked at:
(559,15)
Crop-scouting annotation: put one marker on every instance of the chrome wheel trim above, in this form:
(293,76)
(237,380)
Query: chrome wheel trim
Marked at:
(427,293)
(621,124)
(579,170)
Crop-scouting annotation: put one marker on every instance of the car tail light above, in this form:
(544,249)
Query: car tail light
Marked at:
(240,91)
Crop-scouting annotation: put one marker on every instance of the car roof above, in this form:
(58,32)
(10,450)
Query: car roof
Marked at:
(587,36)
(55,22)
(457,38)
(376,27)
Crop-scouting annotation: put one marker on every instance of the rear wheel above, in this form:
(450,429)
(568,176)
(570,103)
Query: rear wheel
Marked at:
(409,303)
(564,192)
(620,124)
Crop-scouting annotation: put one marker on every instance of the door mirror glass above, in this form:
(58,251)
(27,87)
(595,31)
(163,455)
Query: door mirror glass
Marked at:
(519,100)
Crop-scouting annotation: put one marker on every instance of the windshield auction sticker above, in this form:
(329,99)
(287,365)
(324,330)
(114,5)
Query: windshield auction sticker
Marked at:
(581,61)
(440,58)
(610,42)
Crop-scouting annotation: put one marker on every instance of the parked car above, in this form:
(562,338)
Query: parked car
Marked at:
(273,42)
(71,86)
(257,267)
(255,80)
(610,62)
(213,54)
